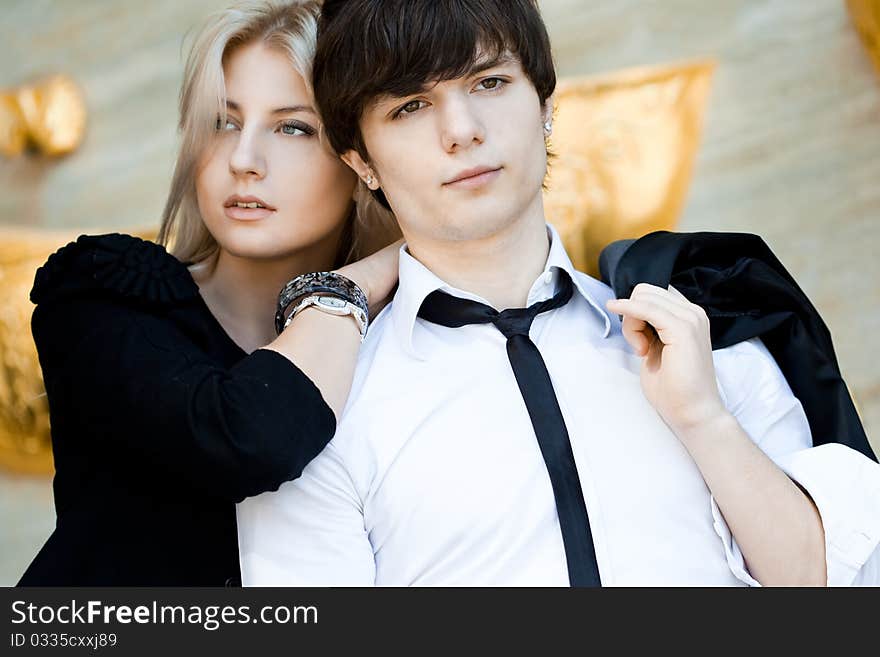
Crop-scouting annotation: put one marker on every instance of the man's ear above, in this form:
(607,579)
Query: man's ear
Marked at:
(547,110)
(353,159)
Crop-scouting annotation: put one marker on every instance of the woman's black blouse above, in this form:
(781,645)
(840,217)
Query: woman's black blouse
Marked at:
(160,422)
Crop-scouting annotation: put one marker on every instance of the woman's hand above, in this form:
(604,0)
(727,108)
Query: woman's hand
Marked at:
(376,275)
(678,372)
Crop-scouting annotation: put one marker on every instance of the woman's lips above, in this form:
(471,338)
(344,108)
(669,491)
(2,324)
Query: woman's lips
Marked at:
(234,210)
(246,214)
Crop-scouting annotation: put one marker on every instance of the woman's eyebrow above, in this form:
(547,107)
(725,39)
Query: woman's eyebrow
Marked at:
(231,104)
(295,108)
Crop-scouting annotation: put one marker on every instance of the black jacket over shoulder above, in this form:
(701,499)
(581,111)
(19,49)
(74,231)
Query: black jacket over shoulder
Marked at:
(160,422)
(746,292)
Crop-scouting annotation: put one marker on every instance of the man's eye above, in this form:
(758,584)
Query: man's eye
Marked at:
(491,83)
(410,108)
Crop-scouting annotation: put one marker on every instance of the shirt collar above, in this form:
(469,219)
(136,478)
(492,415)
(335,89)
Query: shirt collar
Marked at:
(416,282)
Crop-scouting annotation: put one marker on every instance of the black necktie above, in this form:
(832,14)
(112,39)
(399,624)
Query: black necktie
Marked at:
(537,391)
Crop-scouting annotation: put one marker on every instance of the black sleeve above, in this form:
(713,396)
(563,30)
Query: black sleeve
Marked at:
(133,384)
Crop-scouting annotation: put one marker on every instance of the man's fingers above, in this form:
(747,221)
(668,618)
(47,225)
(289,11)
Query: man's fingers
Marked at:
(638,333)
(671,300)
(643,322)
(650,311)
(665,300)
(671,295)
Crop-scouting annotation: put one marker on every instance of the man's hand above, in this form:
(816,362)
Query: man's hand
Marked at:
(678,373)
(775,523)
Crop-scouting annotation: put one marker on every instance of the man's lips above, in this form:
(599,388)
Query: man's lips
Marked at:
(475,177)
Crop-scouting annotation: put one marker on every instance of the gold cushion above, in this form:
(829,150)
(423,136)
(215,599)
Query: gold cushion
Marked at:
(625,145)
(25,444)
(866,17)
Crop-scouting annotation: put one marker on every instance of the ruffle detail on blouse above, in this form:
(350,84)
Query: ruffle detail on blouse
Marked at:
(124,264)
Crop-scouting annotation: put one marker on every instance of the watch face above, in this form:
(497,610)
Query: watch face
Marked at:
(334,302)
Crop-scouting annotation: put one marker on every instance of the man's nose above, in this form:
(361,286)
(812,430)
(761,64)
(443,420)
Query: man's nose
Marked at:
(461,127)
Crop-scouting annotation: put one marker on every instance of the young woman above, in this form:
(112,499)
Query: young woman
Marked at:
(171,396)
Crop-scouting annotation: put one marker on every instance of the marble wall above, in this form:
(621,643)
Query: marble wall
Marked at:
(790,148)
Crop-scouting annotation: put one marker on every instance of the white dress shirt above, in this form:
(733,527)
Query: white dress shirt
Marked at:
(435,477)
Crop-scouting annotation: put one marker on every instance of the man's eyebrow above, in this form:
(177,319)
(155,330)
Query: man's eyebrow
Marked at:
(231,104)
(485,65)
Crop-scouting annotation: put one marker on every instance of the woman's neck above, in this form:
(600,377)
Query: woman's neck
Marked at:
(242,293)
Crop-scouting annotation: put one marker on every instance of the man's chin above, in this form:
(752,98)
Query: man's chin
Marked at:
(478,226)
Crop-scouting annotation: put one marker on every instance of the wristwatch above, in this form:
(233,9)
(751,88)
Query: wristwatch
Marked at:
(334,306)
(321,284)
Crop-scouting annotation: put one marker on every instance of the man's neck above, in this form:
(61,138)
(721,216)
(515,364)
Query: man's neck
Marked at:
(500,268)
(242,293)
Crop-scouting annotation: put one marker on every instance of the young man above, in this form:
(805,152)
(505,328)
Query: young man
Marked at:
(549,444)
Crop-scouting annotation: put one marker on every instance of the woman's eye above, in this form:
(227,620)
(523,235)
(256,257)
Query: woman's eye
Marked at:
(229,125)
(410,108)
(491,83)
(293,128)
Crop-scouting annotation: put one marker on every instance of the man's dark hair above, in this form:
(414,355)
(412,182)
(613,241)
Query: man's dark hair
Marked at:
(370,48)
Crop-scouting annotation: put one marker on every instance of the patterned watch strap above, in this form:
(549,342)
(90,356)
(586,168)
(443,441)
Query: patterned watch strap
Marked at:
(322,282)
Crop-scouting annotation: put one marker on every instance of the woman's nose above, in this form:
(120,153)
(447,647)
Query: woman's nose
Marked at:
(247,158)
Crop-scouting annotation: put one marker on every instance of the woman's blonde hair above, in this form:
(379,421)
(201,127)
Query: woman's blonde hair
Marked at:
(290,26)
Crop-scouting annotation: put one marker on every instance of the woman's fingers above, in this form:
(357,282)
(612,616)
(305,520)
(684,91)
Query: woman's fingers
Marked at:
(376,274)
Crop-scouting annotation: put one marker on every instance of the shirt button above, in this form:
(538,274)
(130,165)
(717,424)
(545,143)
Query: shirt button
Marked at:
(548,278)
